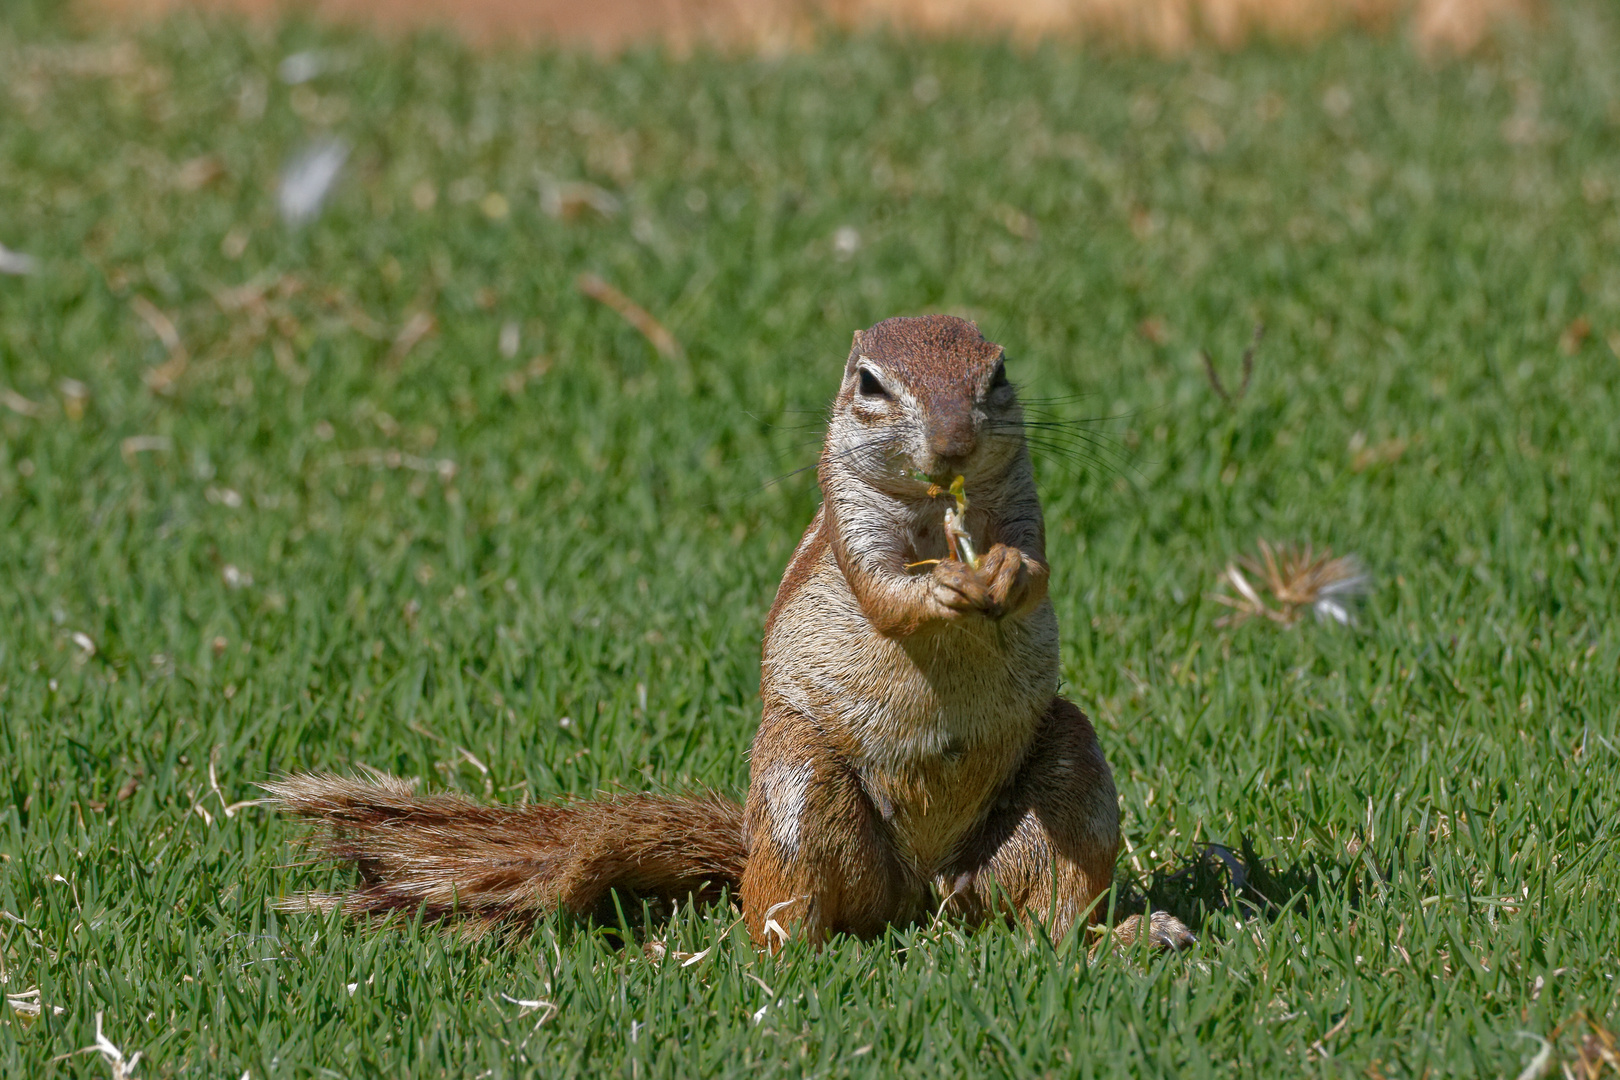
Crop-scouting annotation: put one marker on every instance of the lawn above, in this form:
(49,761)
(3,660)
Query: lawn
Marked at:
(391,489)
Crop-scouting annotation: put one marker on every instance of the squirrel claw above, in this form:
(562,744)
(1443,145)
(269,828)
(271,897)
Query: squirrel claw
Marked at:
(997,588)
(958,587)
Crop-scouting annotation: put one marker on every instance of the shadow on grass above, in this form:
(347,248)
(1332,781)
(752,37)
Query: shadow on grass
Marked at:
(1216,880)
(1220,880)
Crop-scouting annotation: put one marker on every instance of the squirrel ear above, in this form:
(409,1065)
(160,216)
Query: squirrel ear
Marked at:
(854,355)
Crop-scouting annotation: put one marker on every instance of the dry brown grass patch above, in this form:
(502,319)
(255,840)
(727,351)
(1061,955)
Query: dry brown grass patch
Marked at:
(1168,26)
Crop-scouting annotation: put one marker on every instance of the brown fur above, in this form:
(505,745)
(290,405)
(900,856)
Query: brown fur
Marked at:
(445,853)
(810,550)
(912,750)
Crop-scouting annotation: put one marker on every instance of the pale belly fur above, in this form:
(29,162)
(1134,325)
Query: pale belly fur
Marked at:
(935,725)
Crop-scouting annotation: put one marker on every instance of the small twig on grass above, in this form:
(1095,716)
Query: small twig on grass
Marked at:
(161,379)
(1319,1047)
(1537,1065)
(1248,368)
(18,404)
(528,1005)
(417,327)
(27,1003)
(657,950)
(123,1068)
(632,313)
(213,782)
(143,444)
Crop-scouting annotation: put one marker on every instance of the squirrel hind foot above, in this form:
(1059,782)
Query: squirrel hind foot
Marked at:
(1163,933)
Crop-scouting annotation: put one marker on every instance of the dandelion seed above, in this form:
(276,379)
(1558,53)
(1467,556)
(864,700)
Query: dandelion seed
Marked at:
(846,242)
(74,395)
(16,263)
(300,67)
(308,179)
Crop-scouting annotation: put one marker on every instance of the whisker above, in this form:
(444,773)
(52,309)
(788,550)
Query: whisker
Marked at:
(868,444)
(1078,457)
(774,425)
(1074,450)
(1063,431)
(1114,463)
(1102,447)
(1055,417)
(1056,399)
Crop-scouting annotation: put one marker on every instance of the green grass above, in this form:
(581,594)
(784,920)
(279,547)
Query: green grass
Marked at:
(1435,792)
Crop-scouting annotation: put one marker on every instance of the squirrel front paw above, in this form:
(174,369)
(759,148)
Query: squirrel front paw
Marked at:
(959,588)
(993,590)
(1002,584)
(1007,577)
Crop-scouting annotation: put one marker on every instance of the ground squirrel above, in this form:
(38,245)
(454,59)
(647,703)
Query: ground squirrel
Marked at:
(913,754)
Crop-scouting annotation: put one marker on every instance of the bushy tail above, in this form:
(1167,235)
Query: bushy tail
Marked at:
(445,854)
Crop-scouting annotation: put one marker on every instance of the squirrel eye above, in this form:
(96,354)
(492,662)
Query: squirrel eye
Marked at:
(999,379)
(870,387)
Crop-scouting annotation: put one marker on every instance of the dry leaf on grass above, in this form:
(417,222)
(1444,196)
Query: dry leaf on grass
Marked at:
(569,201)
(1287,580)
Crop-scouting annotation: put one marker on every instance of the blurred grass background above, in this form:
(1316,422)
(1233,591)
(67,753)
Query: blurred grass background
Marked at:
(389,489)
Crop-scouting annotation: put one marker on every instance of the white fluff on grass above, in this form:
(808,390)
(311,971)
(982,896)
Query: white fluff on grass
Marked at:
(15,262)
(301,67)
(308,178)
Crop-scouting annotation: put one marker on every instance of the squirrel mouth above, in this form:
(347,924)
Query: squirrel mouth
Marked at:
(940,477)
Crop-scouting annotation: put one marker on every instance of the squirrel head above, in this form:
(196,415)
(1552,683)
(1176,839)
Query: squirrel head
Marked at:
(924,400)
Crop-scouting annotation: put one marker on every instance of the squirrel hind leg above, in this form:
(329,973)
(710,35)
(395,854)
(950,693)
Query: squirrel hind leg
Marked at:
(1046,852)
(819,860)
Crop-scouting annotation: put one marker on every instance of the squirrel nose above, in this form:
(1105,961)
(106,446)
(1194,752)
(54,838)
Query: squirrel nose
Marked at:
(952,442)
